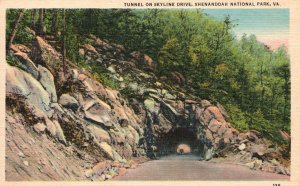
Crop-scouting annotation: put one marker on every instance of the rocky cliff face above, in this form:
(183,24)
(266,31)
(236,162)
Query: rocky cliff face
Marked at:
(66,125)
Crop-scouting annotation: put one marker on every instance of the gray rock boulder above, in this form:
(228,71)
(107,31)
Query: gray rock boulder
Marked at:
(111,153)
(169,112)
(47,81)
(99,133)
(205,103)
(150,104)
(45,54)
(214,125)
(111,69)
(209,154)
(98,112)
(60,133)
(259,149)
(68,101)
(100,167)
(39,127)
(242,146)
(22,83)
(55,130)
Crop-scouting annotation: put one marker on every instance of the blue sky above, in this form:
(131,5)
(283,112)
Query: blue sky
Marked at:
(266,24)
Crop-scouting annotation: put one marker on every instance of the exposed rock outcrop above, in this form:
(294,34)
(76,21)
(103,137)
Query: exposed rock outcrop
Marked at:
(104,131)
(19,82)
(68,101)
(47,81)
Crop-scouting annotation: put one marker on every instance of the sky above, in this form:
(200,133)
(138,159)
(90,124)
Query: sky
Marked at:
(271,26)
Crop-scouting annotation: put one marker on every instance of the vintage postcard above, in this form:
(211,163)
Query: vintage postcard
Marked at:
(150,92)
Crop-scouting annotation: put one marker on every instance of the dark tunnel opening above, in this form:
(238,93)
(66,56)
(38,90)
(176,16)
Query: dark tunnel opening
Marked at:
(169,142)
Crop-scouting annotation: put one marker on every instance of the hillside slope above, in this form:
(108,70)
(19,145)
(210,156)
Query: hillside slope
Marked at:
(66,123)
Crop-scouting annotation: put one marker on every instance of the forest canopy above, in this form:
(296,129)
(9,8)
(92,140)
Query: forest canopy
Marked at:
(247,77)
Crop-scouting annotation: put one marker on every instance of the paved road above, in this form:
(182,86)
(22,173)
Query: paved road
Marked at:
(187,167)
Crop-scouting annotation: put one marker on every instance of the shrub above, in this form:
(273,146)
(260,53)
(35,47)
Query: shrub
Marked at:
(237,116)
(267,128)
(13,61)
(100,73)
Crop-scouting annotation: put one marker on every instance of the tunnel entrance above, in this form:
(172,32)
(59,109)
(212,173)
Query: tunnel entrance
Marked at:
(170,142)
(183,149)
